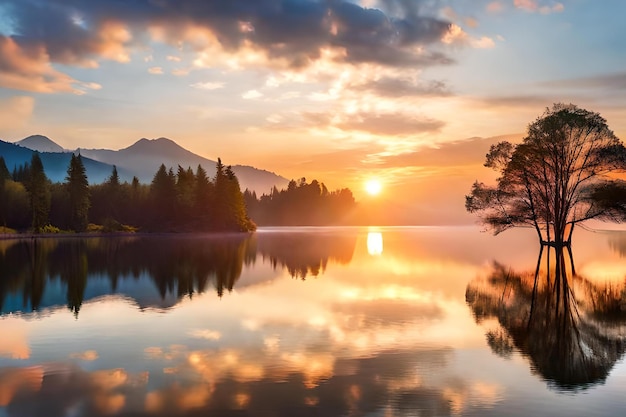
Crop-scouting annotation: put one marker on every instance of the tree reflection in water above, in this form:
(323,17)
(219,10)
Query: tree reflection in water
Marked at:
(569,328)
(178,266)
(305,254)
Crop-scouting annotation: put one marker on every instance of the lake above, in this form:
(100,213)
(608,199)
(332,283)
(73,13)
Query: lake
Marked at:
(432,321)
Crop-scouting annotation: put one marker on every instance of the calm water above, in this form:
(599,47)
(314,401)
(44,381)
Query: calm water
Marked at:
(320,322)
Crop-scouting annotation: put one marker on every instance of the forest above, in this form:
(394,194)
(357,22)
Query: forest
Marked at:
(301,204)
(175,201)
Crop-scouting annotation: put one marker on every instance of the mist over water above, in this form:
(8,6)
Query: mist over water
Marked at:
(312,321)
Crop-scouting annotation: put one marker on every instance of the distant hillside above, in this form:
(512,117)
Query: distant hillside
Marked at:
(55,164)
(144,157)
(40,143)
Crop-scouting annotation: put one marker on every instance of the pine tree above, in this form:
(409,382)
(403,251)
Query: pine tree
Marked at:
(163,196)
(114,179)
(39,190)
(4,203)
(113,191)
(4,171)
(230,209)
(203,201)
(78,190)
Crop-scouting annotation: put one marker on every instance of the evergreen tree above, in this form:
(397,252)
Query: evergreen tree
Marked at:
(39,190)
(4,171)
(230,209)
(78,190)
(185,184)
(203,201)
(113,190)
(163,197)
(136,202)
(114,179)
(4,203)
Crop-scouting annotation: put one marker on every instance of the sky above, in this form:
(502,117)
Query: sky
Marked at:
(408,91)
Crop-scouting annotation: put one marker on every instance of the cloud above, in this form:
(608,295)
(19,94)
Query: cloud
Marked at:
(180,72)
(208,85)
(27,68)
(391,124)
(525,101)
(470,151)
(457,35)
(536,6)
(292,32)
(495,7)
(404,87)
(610,82)
(63,38)
(484,42)
(155,70)
(252,94)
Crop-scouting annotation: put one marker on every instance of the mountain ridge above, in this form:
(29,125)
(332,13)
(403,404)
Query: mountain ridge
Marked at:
(144,157)
(55,163)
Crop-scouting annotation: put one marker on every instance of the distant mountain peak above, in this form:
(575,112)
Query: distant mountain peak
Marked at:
(40,143)
(155,145)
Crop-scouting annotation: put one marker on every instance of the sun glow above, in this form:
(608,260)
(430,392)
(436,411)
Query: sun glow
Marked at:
(373,187)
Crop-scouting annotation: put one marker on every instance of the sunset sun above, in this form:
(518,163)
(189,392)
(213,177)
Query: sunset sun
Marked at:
(373,187)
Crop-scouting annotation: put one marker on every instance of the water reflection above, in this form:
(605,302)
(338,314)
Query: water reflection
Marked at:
(387,335)
(349,344)
(305,253)
(570,328)
(40,273)
(375,243)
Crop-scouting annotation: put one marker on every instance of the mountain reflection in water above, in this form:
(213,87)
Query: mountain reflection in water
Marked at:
(569,328)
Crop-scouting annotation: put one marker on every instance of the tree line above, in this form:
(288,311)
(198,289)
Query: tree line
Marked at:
(175,201)
(300,204)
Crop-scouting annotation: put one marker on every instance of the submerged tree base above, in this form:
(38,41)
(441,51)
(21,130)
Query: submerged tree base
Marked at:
(555,244)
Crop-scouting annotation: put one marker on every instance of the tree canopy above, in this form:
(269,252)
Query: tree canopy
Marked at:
(562,174)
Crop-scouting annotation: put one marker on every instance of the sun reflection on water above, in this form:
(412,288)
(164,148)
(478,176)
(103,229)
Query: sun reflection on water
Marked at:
(375,243)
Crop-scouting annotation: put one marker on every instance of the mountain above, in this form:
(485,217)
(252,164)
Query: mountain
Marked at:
(40,143)
(144,157)
(55,163)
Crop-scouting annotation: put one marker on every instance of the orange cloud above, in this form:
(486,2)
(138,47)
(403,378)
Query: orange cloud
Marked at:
(456,35)
(536,6)
(495,7)
(29,69)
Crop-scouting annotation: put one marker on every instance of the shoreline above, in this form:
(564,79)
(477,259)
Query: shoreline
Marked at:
(35,236)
